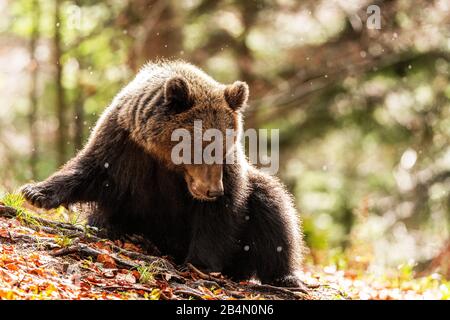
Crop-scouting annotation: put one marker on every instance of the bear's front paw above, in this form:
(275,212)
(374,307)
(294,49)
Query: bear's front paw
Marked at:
(41,196)
(292,282)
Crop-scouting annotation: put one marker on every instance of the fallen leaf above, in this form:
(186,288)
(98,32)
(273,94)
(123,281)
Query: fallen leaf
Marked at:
(136,274)
(37,271)
(131,247)
(4,233)
(128,278)
(106,260)
(12,267)
(102,246)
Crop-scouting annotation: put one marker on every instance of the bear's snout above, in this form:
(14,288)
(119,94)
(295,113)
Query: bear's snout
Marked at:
(205,181)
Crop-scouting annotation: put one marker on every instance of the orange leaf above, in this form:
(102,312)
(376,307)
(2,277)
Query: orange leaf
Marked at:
(38,272)
(108,261)
(136,274)
(84,287)
(93,279)
(131,247)
(103,246)
(4,233)
(12,267)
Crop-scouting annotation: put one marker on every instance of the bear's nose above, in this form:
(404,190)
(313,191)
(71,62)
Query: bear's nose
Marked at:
(215,193)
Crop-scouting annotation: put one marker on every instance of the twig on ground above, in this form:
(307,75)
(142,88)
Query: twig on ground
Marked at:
(47,243)
(187,291)
(277,291)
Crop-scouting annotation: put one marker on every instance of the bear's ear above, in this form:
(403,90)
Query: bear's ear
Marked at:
(177,94)
(236,95)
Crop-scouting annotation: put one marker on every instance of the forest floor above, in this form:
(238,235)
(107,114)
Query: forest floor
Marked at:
(49,259)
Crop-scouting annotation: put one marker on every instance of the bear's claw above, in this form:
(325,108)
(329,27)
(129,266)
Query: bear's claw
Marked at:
(40,196)
(292,282)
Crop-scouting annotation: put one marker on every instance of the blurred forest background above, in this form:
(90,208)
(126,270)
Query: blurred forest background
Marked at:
(364,114)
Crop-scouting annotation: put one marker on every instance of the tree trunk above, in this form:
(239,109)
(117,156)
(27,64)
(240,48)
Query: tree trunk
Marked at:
(156,27)
(79,113)
(79,120)
(60,99)
(33,89)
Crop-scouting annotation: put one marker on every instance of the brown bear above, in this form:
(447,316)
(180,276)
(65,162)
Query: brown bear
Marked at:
(228,218)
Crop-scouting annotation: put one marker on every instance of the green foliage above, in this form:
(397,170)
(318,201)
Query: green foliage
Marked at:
(63,241)
(154,295)
(13,200)
(16,201)
(146,274)
(149,271)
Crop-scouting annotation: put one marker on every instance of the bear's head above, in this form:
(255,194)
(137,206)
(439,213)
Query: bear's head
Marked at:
(195,130)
